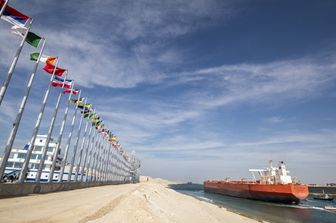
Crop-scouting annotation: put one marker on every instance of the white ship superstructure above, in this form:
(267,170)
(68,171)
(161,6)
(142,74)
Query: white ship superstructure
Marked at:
(273,175)
(17,157)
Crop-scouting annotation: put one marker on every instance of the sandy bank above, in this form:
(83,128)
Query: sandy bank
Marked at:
(146,202)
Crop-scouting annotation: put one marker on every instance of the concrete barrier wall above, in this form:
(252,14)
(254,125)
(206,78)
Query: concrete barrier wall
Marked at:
(13,190)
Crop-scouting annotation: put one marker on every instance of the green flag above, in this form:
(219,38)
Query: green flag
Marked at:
(33,39)
(90,115)
(34,56)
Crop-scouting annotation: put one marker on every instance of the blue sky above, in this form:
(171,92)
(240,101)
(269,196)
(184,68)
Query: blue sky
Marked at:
(198,89)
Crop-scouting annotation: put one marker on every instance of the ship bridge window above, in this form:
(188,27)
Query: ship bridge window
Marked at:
(35,166)
(38,148)
(18,165)
(9,164)
(21,155)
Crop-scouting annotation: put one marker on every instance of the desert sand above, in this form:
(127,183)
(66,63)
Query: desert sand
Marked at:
(148,201)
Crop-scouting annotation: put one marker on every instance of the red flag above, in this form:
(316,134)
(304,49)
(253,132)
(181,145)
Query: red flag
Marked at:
(56,83)
(50,69)
(71,91)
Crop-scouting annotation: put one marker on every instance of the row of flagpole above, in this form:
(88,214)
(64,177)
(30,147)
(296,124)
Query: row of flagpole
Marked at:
(99,158)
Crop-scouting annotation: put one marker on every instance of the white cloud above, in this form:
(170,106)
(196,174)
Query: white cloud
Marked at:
(274,120)
(260,83)
(100,47)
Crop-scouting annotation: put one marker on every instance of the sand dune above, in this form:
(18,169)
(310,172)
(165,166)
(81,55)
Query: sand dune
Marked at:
(148,201)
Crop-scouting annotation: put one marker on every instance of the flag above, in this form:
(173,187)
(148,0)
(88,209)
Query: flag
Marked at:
(97,122)
(26,147)
(62,79)
(44,59)
(99,125)
(75,101)
(95,119)
(13,16)
(33,39)
(60,82)
(113,138)
(86,110)
(89,115)
(82,106)
(50,69)
(71,91)
(18,30)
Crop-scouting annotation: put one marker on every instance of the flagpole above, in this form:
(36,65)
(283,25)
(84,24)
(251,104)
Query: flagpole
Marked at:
(50,130)
(12,67)
(113,164)
(104,159)
(85,155)
(89,151)
(98,159)
(108,164)
(3,8)
(16,124)
(118,169)
(59,140)
(60,178)
(93,157)
(36,129)
(76,145)
(84,142)
(104,167)
(108,161)
(87,143)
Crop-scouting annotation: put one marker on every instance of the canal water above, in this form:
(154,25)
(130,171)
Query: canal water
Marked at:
(309,211)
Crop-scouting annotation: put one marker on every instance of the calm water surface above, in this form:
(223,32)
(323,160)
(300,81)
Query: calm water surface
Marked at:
(309,211)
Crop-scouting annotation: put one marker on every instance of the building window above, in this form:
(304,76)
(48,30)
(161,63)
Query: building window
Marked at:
(50,149)
(33,156)
(38,148)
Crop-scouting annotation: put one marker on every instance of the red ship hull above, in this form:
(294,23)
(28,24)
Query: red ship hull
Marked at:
(282,193)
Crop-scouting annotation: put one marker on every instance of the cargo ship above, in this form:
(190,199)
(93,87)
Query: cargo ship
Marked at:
(274,185)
